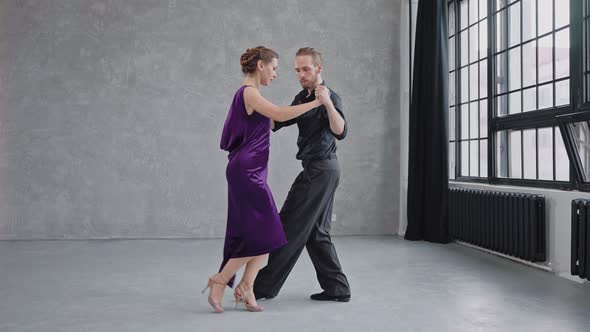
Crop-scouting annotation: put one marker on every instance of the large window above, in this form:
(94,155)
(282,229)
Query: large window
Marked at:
(468,92)
(532,64)
(519,92)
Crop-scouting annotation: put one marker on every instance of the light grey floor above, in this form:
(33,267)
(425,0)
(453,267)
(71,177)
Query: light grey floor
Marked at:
(154,285)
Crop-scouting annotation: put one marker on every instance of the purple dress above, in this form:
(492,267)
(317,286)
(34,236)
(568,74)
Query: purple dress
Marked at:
(253,223)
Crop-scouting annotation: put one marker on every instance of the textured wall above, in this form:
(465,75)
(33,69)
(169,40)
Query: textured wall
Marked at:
(111,111)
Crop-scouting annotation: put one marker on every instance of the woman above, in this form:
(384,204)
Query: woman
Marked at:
(253,225)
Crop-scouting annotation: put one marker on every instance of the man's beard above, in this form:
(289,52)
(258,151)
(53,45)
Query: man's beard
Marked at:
(309,84)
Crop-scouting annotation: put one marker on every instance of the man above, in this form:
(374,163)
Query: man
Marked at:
(307,211)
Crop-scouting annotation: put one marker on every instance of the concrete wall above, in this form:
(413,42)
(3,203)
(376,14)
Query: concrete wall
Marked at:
(111,111)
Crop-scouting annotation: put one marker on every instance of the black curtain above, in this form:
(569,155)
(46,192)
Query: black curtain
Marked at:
(428,151)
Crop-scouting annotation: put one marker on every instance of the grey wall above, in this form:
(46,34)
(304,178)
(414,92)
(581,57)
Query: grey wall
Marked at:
(111,111)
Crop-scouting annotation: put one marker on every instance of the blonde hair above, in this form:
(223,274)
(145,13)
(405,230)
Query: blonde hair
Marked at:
(315,55)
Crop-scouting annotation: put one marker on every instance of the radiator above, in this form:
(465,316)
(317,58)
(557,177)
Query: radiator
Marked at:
(581,238)
(509,223)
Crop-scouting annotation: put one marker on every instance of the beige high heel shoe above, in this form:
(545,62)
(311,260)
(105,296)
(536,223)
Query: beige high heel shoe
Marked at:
(244,291)
(215,281)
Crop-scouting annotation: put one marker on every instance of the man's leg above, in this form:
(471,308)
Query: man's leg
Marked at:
(323,255)
(295,216)
(319,246)
(311,192)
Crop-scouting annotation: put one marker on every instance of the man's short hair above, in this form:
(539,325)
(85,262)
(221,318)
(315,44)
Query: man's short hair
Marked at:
(315,55)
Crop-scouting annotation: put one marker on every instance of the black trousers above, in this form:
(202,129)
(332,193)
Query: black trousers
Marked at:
(306,217)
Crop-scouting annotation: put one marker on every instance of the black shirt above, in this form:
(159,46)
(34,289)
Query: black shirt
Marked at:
(316,140)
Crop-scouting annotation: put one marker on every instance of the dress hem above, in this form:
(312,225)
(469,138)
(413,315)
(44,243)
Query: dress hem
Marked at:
(259,252)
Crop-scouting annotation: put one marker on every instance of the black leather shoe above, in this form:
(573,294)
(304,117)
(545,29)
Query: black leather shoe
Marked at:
(260,296)
(325,297)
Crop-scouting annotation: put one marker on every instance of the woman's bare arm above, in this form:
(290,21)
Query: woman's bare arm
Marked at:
(256,102)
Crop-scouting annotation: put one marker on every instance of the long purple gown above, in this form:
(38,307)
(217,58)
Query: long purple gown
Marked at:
(253,223)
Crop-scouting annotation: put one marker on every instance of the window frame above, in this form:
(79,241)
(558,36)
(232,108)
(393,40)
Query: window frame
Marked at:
(556,117)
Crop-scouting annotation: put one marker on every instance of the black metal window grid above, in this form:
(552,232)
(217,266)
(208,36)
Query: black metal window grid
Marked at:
(519,92)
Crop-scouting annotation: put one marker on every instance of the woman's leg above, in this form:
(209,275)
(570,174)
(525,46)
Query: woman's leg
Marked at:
(252,268)
(233,265)
(244,288)
(218,281)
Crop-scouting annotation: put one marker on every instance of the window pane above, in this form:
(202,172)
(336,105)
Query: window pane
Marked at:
(451,160)
(452,123)
(483,39)
(473,79)
(473,11)
(545,96)
(529,13)
(529,97)
(483,158)
(502,154)
(514,103)
(502,105)
(465,158)
(451,89)
(451,21)
(501,38)
(483,8)
(529,142)
(562,53)
(452,53)
(562,13)
(545,59)
(515,159)
(474,158)
(473,120)
(514,69)
(501,73)
(483,79)
(581,136)
(562,164)
(464,14)
(473,44)
(483,118)
(464,47)
(562,93)
(464,82)
(514,27)
(545,16)
(545,136)
(529,64)
(464,121)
